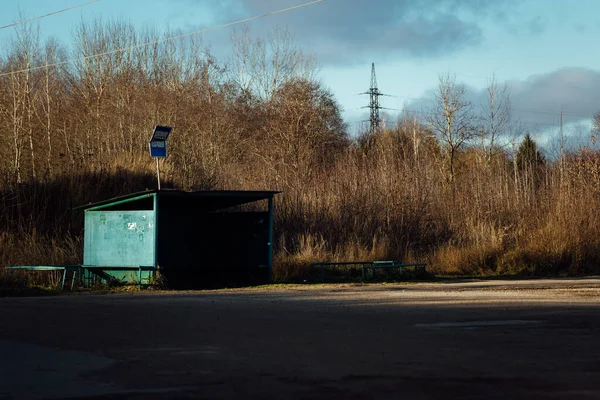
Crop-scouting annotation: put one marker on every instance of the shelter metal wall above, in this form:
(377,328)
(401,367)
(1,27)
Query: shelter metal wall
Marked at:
(119,238)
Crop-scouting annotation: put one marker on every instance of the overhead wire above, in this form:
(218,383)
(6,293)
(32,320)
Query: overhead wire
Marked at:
(202,31)
(531,110)
(167,39)
(48,15)
(525,110)
(423,112)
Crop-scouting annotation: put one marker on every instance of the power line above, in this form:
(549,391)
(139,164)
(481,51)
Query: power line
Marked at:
(241,21)
(422,112)
(534,110)
(47,15)
(531,110)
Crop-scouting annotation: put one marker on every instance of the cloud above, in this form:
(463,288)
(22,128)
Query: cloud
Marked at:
(537,101)
(541,97)
(537,26)
(350,31)
(580,28)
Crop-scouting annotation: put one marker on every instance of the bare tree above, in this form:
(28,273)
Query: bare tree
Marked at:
(496,117)
(595,127)
(27,45)
(16,113)
(515,136)
(305,131)
(265,66)
(21,91)
(240,68)
(49,92)
(451,120)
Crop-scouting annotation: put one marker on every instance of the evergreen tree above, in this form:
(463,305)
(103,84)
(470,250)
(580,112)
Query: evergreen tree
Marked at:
(528,155)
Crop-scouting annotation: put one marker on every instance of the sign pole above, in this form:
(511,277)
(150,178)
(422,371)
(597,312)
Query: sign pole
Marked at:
(158,146)
(157,173)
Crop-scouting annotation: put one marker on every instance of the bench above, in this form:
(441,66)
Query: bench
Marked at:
(421,267)
(78,271)
(64,268)
(370,265)
(322,265)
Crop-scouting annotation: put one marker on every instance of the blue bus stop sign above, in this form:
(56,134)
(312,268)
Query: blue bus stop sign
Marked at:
(158,148)
(158,142)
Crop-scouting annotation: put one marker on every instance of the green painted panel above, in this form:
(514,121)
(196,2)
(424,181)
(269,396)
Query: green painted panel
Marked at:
(119,238)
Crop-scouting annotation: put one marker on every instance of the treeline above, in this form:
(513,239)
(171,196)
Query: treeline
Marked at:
(463,189)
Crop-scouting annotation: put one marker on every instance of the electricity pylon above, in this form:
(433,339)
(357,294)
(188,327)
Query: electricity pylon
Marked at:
(374,106)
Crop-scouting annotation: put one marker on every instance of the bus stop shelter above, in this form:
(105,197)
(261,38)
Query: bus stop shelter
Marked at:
(192,239)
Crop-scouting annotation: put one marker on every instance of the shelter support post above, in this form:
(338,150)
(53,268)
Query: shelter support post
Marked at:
(155,227)
(270,242)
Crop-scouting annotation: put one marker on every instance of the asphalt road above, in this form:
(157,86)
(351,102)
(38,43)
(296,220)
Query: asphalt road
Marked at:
(489,340)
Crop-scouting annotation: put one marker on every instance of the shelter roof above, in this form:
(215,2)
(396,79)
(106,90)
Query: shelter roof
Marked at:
(209,199)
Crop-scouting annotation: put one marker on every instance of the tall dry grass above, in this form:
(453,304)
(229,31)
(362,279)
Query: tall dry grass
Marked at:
(373,197)
(383,204)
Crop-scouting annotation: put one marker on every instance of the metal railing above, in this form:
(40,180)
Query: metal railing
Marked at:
(370,265)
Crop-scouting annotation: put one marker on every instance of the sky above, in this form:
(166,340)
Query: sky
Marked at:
(546,51)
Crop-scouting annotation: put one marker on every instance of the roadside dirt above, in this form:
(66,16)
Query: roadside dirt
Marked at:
(528,339)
